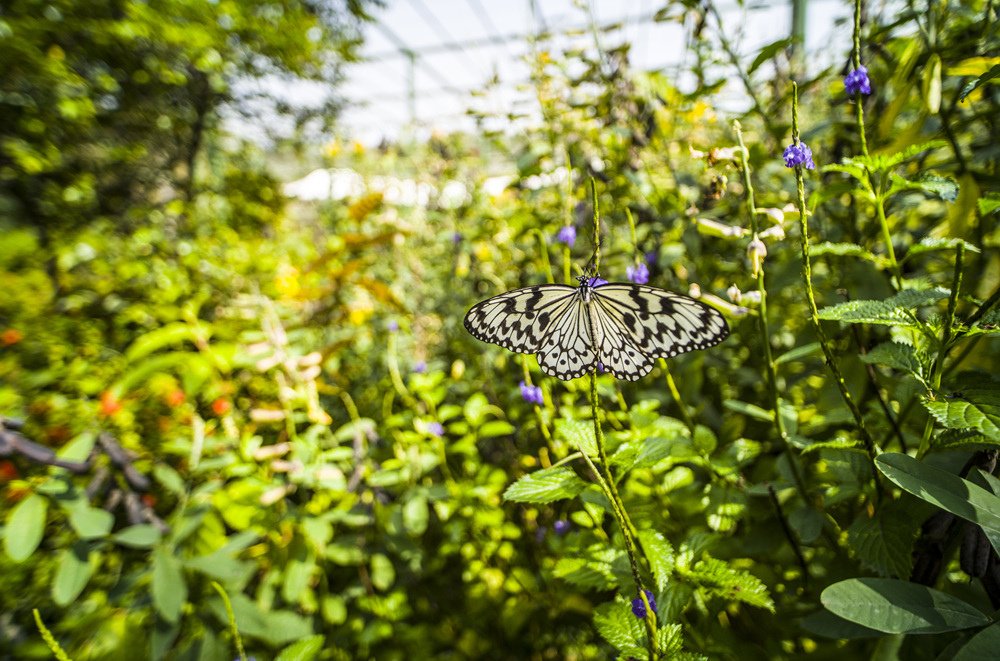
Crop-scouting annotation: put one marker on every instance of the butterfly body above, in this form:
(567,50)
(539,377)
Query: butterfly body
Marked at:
(623,326)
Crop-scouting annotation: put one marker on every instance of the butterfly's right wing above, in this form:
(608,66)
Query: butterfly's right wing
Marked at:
(519,320)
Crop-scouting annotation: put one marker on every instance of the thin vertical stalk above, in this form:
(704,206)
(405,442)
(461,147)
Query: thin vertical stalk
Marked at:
(856,58)
(597,226)
(772,372)
(824,343)
(676,396)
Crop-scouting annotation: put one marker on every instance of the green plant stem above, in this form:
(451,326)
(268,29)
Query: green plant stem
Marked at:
(772,375)
(50,640)
(617,507)
(232,620)
(789,534)
(676,395)
(543,250)
(597,226)
(824,343)
(937,367)
(856,58)
(886,234)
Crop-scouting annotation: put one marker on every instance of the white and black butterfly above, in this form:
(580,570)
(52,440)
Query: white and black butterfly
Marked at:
(623,326)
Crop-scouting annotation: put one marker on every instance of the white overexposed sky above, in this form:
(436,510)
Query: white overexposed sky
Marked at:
(444,79)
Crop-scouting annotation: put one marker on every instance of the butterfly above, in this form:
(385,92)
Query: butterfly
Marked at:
(622,326)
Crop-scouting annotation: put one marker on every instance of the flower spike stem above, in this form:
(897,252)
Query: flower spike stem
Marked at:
(597,227)
(824,343)
(856,58)
(607,483)
(772,371)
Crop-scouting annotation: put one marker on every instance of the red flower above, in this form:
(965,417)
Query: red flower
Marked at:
(221,406)
(109,404)
(10,337)
(175,397)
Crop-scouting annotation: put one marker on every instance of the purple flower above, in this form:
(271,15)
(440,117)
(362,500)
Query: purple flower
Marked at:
(799,154)
(856,82)
(456,238)
(392,325)
(435,429)
(596,282)
(561,526)
(639,608)
(638,274)
(600,368)
(567,235)
(420,367)
(532,394)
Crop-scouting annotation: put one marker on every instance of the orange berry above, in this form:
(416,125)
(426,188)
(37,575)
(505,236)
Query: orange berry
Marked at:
(221,406)
(10,337)
(109,404)
(175,397)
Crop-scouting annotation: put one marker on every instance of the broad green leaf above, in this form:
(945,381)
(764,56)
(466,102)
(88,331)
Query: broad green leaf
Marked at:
(91,522)
(970,87)
(807,522)
(826,624)
(382,572)
(660,554)
(768,52)
(883,162)
(75,570)
(893,311)
(306,649)
(972,408)
(798,353)
(895,606)
(884,542)
(949,492)
(545,486)
(298,572)
(276,627)
(79,448)
(983,645)
(169,588)
(139,536)
(176,361)
(579,434)
(841,250)
(495,428)
(170,479)
(25,527)
(933,243)
(415,514)
(585,573)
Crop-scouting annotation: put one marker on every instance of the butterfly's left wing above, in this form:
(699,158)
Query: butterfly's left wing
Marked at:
(654,323)
(517,320)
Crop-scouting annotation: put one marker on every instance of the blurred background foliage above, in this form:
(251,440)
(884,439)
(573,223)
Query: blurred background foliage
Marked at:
(279,395)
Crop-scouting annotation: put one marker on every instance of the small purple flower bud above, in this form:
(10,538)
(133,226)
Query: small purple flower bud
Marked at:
(638,274)
(600,368)
(435,429)
(456,238)
(596,282)
(561,526)
(540,534)
(567,235)
(800,154)
(532,394)
(420,367)
(639,608)
(392,325)
(857,82)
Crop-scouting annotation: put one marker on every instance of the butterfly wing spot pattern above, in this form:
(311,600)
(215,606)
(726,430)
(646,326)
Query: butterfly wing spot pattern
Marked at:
(624,326)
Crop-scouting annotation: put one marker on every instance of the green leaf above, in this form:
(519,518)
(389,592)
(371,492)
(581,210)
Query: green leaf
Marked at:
(660,554)
(883,162)
(751,410)
(895,606)
(91,522)
(25,527)
(970,87)
(931,84)
(167,335)
(139,536)
(826,624)
(75,570)
(579,434)
(416,514)
(842,250)
(768,52)
(902,357)
(989,203)
(849,168)
(306,649)
(893,311)
(545,486)
(720,579)
(983,645)
(807,522)
(495,428)
(621,628)
(972,408)
(170,479)
(884,542)
(931,243)
(798,353)
(932,184)
(949,492)
(276,627)
(382,572)
(169,588)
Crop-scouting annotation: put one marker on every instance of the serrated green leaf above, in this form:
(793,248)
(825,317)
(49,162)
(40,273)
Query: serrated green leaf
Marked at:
(660,554)
(940,187)
(893,311)
(579,434)
(883,162)
(971,86)
(842,250)
(954,439)
(25,527)
(989,203)
(620,627)
(306,649)
(585,573)
(853,169)
(669,640)
(169,587)
(972,408)
(884,542)
(902,357)
(931,243)
(718,578)
(545,486)
(895,606)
